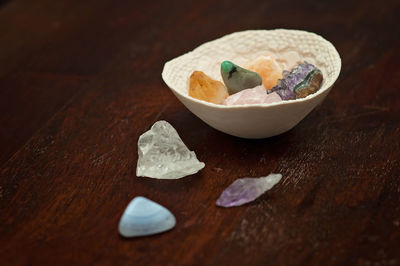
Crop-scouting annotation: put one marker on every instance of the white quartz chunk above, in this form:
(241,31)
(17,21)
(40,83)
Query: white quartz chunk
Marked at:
(163,155)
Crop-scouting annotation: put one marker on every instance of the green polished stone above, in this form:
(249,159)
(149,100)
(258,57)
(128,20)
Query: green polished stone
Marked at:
(237,78)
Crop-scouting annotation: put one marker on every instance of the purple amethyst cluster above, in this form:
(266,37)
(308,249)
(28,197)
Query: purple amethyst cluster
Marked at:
(301,81)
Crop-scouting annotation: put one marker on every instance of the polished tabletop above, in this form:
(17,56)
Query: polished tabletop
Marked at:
(80,81)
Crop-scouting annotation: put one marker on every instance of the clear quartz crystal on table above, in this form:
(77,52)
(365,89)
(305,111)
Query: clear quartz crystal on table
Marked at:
(163,155)
(247,189)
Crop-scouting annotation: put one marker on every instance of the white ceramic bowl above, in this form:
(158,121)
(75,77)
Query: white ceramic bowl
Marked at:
(290,47)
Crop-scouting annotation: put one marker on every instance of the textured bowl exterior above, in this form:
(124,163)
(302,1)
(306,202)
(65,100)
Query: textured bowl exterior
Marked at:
(258,120)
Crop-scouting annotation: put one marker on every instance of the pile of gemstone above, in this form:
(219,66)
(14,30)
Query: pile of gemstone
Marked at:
(259,81)
(163,155)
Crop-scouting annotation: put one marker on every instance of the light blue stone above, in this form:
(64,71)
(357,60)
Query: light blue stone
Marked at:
(144,217)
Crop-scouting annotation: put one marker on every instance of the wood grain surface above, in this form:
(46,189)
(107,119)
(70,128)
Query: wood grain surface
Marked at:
(80,81)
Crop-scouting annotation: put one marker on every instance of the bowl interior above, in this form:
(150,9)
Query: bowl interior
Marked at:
(290,47)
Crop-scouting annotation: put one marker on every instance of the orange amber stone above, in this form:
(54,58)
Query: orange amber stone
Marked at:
(268,69)
(204,88)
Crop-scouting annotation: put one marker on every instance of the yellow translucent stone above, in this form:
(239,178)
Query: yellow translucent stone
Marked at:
(204,88)
(269,70)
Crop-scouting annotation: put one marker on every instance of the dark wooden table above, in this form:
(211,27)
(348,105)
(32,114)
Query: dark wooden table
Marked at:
(80,81)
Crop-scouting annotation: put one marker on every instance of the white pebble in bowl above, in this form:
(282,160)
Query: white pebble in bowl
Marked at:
(254,121)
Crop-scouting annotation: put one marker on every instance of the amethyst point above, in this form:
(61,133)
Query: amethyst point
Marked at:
(247,189)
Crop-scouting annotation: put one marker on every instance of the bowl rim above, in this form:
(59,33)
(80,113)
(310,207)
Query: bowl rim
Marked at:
(258,105)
